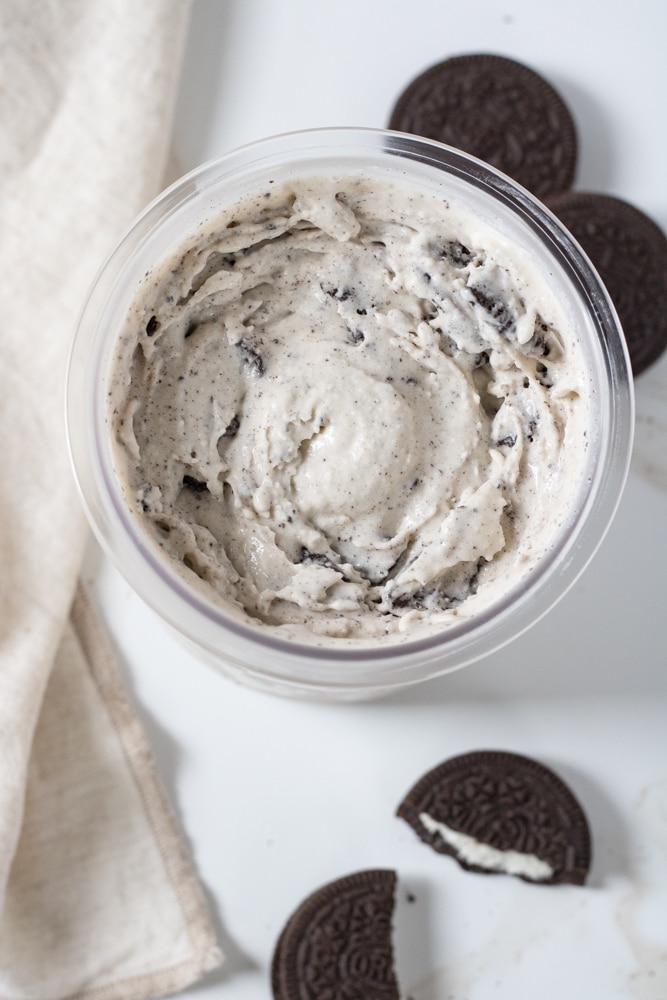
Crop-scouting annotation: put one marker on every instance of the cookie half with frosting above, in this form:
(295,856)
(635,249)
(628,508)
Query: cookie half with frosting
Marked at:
(498,812)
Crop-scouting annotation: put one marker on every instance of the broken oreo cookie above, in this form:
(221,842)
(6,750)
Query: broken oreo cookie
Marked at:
(338,942)
(629,251)
(498,110)
(500,812)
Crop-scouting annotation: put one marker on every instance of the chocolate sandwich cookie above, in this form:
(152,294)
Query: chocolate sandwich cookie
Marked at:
(629,251)
(499,111)
(338,942)
(500,812)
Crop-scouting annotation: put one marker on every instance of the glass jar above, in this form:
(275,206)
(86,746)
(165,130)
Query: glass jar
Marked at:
(331,669)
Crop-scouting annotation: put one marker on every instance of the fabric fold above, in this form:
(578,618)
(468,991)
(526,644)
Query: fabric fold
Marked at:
(87,90)
(102,898)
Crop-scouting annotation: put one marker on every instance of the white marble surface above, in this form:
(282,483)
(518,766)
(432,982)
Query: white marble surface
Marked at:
(278,797)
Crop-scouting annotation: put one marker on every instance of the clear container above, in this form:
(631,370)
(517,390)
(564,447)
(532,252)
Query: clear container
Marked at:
(239,649)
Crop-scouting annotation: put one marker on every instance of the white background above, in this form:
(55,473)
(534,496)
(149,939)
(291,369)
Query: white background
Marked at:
(278,797)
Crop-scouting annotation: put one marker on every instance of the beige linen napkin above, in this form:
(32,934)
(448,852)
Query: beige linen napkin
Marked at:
(98,898)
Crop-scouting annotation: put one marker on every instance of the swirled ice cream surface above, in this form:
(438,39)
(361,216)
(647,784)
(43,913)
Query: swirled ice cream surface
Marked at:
(348,409)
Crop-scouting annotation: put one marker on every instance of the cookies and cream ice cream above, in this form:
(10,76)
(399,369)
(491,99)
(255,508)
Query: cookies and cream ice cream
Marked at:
(347,408)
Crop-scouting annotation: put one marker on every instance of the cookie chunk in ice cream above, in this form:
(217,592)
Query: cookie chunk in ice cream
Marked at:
(346,408)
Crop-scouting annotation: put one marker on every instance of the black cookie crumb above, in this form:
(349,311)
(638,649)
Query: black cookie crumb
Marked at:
(152,326)
(197,485)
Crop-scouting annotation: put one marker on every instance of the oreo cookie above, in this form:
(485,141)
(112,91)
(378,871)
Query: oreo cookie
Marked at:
(338,942)
(498,110)
(498,812)
(629,251)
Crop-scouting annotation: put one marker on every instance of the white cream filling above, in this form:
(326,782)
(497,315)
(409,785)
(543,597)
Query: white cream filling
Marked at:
(475,852)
